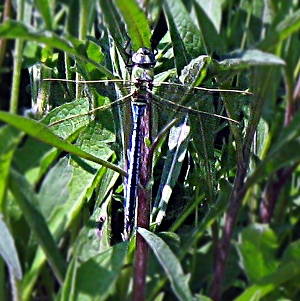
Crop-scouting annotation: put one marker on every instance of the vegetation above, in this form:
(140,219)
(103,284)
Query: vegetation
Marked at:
(228,227)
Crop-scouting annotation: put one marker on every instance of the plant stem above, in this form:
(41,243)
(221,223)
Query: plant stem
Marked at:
(277,181)
(14,100)
(238,192)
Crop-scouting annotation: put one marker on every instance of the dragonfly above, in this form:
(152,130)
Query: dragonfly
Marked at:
(143,92)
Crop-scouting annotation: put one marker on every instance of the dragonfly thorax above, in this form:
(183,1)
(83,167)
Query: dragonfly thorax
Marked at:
(143,83)
(140,75)
(142,70)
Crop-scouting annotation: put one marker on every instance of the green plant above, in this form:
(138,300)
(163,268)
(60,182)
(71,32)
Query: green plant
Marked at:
(243,189)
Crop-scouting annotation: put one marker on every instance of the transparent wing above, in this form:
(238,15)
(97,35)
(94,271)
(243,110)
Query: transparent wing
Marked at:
(99,110)
(170,99)
(173,95)
(212,114)
(197,100)
(62,90)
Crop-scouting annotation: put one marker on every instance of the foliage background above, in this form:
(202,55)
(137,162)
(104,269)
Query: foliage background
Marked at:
(51,201)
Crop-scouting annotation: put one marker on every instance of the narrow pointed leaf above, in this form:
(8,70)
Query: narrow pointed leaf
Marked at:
(8,250)
(170,264)
(28,204)
(42,133)
(136,22)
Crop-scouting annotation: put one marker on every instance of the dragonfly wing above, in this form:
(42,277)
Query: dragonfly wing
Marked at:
(202,125)
(62,91)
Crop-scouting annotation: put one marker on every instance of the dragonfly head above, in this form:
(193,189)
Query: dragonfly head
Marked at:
(144,57)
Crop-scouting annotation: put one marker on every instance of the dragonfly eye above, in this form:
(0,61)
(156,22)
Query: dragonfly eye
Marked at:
(144,57)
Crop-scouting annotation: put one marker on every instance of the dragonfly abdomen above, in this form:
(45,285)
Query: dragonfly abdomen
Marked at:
(138,109)
(142,76)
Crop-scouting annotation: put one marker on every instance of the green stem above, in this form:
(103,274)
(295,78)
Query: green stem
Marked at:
(14,100)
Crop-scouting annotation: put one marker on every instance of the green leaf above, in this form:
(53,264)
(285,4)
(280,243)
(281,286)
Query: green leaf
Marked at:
(13,30)
(292,252)
(170,264)
(136,23)
(208,15)
(81,180)
(17,30)
(66,197)
(186,38)
(214,211)
(195,72)
(9,139)
(88,255)
(247,58)
(58,121)
(114,23)
(213,11)
(178,141)
(27,202)
(45,9)
(42,133)
(290,25)
(8,250)
(258,247)
(278,157)
(201,298)
(94,53)
(94,279)
(272,282)
(55,188)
